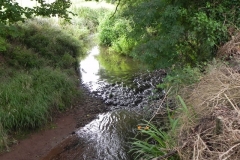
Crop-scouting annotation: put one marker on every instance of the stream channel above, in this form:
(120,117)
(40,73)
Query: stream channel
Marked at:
(130,93)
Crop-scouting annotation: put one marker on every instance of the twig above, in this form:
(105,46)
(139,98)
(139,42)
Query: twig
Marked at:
(160,105)
(231,103)
(115,9)
(227,152)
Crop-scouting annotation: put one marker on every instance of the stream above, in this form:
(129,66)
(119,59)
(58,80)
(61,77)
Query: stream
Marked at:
(128,90)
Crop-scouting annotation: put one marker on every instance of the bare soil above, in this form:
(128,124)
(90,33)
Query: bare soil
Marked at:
(39,144)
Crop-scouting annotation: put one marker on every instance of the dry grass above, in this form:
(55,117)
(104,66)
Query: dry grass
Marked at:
(230,49)
(211,129)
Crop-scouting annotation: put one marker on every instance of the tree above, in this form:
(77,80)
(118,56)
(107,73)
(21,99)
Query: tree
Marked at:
(170,32)
(11,11)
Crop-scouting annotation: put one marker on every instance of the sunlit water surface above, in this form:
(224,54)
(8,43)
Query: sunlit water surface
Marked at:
(89,68)
(107,136)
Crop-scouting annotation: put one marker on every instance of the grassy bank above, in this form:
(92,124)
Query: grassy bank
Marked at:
(38,69)
(37,75)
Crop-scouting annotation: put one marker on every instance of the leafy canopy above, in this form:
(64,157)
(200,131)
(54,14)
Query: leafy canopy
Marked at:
(11,11)
(168,32)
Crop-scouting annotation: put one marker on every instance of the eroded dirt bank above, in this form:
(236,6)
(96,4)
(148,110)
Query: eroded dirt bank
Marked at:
(37,145)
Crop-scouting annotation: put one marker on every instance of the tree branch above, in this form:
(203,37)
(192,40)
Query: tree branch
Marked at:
(115,9)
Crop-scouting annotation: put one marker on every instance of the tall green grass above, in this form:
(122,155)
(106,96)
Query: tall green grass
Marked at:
(37,74)
(154,143)
(38,62)
(28,98)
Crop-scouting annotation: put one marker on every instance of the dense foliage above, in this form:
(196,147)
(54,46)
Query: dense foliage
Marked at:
(12,12)
(166,32)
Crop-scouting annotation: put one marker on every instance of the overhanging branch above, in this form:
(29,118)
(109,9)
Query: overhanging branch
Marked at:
(116,9)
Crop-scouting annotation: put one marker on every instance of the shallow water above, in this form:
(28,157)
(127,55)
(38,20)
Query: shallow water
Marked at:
(116,80)
(106,136)
(101,68)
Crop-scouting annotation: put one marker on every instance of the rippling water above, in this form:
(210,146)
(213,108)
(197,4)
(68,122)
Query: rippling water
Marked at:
(107,136)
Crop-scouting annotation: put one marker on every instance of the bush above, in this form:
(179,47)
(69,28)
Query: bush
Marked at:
(112,33)
(163,33)
(179,78)
(88,18)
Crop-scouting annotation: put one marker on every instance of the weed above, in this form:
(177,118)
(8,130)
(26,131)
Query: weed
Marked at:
(154,144)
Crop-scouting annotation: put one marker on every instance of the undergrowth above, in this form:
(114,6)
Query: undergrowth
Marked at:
(38,69)
(28,98)
(159,137)
(214,132)
(206,117)
(38,75)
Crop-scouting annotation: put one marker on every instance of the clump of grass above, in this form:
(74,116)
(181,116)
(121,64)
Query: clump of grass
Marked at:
(152,142)
(37,74)
(162,143)
(28,98)
(20,57)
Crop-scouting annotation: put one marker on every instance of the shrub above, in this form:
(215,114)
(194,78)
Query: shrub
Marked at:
(179,78)
(112,33)
(168,32)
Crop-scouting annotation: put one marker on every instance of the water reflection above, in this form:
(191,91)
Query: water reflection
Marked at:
(107,135)
(89,68)
(100,68)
